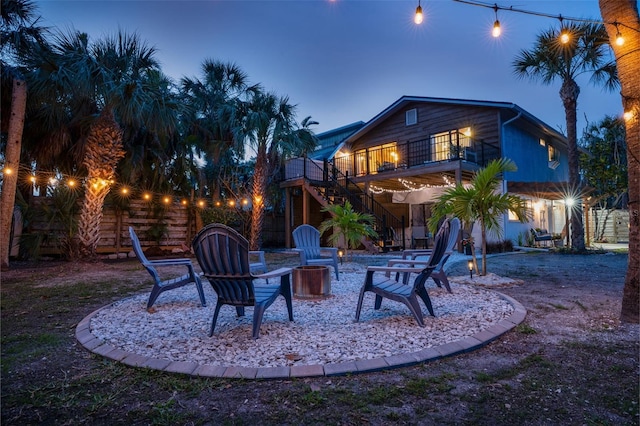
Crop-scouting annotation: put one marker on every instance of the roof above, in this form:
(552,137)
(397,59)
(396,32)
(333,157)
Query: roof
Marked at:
(404,100)
(331,141)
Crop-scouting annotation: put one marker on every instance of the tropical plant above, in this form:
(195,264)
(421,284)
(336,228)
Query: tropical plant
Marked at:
(18,33)
(587,51)
(269,127)
(481,202)
(349,226)
(627,56)
(89,99)
(604,168)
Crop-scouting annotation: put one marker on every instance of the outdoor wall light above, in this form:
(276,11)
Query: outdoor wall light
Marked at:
(418,18)
(470,265)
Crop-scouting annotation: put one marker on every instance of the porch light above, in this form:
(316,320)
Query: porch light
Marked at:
(470,266)
(418,18)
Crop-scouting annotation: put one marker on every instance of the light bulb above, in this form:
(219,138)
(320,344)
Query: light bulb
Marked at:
(564,36)
(619,39)
(419,17)
(496,29)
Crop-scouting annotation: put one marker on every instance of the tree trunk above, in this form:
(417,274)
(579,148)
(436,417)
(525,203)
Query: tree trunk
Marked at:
(12,162)
(259,191)
(104,150)
(628,63)
(569,93)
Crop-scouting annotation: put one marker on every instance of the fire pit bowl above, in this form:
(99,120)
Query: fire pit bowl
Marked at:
(311,282)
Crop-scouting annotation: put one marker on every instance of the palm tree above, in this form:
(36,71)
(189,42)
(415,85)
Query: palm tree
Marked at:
(351,226)
(586,52)
(18,32)
(269,127)
(87,99)
(480,202)
(627,56)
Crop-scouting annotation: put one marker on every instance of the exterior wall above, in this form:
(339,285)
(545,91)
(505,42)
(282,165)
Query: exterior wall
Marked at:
(532,158)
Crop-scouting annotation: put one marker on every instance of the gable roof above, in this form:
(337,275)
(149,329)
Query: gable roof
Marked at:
(404,100)
(331,141)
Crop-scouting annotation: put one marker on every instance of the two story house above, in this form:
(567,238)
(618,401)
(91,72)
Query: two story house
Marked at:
(395,165)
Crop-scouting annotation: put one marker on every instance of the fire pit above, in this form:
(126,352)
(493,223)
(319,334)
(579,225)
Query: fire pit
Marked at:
(311,282)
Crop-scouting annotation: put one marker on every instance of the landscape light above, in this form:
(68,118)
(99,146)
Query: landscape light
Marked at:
(470,265)
(419,17)
(340,254)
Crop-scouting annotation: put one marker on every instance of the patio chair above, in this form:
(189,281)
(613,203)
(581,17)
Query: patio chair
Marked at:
(223,255)
(383,286)
(438,275)
(161,285)
(307,241)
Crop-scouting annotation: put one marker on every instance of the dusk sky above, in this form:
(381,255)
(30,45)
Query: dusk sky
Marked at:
(344,61)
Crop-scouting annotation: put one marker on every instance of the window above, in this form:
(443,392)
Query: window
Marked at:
(554,155)
(543,142)
(411,117)
(451,144)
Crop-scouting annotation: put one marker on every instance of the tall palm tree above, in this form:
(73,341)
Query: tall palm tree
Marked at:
(625,12)
(269,127)
(214,104)
(481,202)
(87,98)
(549,60)
(18,32)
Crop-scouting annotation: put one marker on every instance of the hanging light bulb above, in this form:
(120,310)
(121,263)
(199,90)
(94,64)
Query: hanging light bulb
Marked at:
(564,33)
(418,18)
(619,38)
(496,25)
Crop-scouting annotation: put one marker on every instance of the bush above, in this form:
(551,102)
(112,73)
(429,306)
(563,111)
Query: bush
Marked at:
(500,247)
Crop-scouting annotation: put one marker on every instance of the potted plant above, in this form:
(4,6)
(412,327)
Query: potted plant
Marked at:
(467,245)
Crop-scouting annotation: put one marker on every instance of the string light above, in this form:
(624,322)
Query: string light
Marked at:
(411,186)
(565,35)
(619,38)
(496,25)
(418,18)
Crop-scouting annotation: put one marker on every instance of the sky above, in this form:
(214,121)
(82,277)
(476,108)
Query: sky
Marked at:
(344,61)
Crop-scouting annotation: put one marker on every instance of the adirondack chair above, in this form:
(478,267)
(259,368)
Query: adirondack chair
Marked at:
(161,285)
(383,286)
(438,275)
(307,241)
(223,255)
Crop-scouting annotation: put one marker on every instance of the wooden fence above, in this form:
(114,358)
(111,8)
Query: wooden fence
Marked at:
(167,227)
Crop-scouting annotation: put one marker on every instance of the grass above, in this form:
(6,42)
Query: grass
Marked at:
(47,378)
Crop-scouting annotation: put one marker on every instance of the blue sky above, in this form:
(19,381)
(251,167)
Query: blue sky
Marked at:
(343,61)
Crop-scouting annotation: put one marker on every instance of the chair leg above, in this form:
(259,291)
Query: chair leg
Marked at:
(414,307)
(378,302)
(424,295)
(258,312)
(198,282)
(215,318)
(155,292)
(359,307)
(285,291)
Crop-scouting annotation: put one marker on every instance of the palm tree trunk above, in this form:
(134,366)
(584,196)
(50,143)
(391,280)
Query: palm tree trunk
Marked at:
(12,162)
(103,151)
(628,64)
(569,94)
(259,191)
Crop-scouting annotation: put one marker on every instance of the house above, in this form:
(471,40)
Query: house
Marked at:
(396,164)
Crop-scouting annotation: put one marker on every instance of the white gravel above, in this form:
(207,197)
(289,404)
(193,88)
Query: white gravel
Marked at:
(323,331)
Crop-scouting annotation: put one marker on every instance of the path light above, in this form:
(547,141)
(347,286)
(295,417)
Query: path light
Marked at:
(470,265)
(340,255)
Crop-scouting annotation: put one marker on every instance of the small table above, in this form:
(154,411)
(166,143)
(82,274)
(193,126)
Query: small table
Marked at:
(311,282)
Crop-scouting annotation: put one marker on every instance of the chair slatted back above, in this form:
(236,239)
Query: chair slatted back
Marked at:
(439,249)
(223,255)
(307,238)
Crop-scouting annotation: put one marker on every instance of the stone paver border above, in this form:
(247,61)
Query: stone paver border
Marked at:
(476,341)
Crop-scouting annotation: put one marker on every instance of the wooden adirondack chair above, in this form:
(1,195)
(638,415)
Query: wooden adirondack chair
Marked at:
(438,275)
(223,255)
(383,286)
(161,285)
(307,241)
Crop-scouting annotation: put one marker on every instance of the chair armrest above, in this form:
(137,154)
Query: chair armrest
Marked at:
(411,263)
(274,274)
(169,262)
(397,269)
(303,255)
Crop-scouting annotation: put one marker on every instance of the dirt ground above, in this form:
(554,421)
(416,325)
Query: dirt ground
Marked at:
(569,362)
